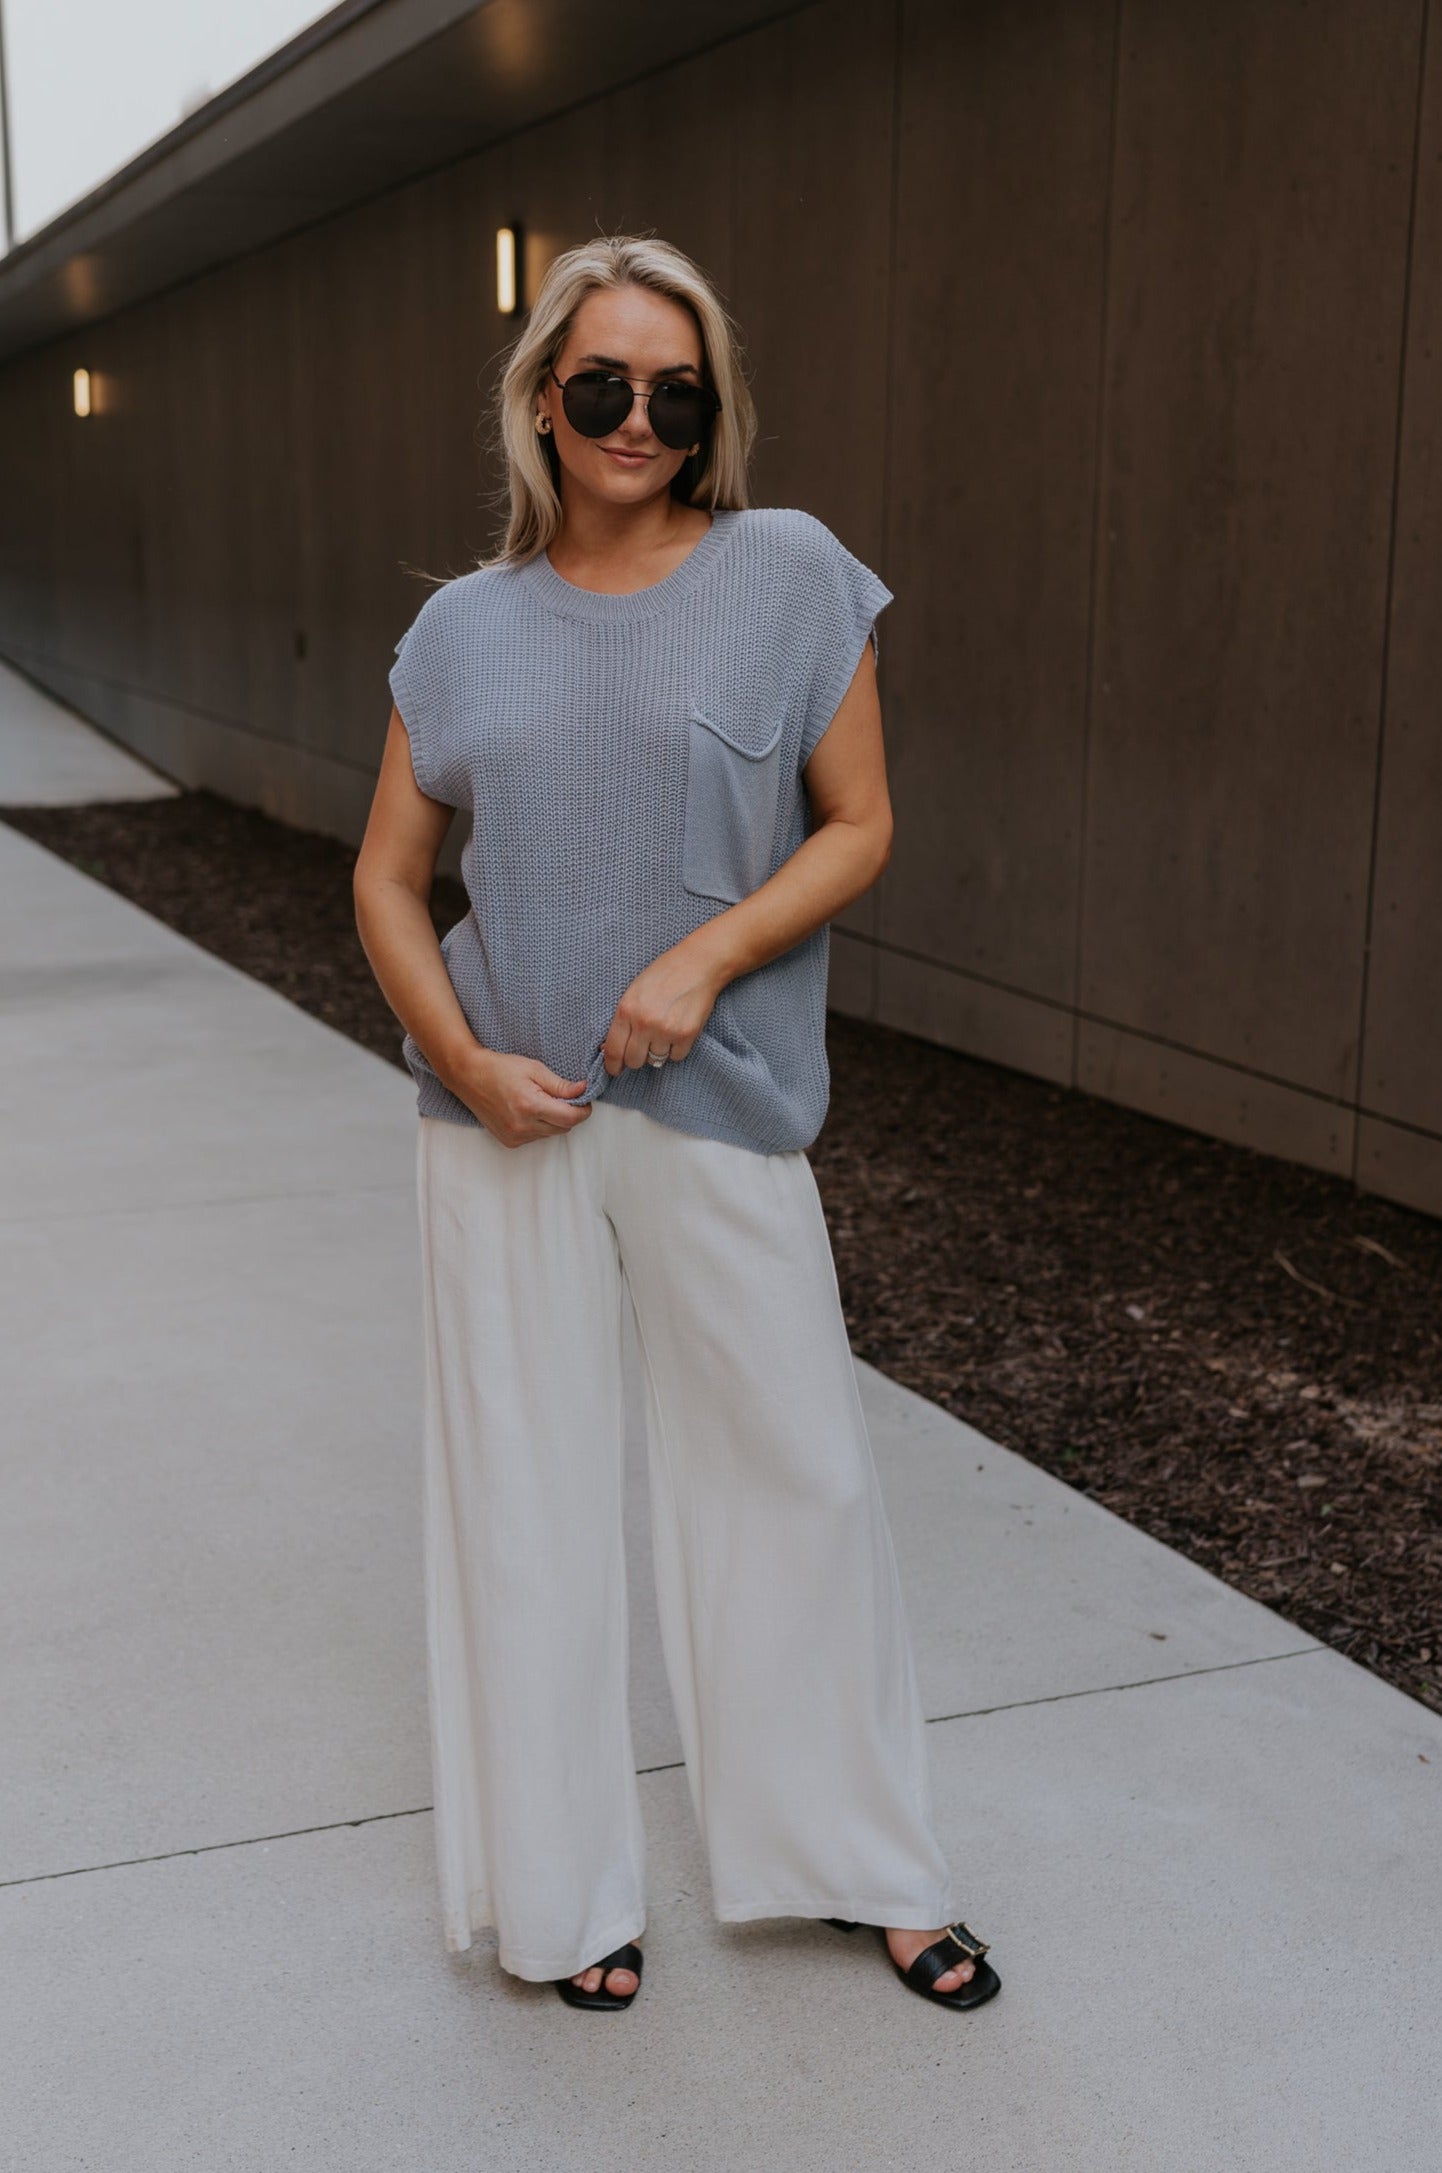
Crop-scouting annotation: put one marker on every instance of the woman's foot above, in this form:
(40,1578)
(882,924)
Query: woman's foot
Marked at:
(619,1981)
(905,1946)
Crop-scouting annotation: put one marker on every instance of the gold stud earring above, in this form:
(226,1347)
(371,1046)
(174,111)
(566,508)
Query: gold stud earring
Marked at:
(543,423)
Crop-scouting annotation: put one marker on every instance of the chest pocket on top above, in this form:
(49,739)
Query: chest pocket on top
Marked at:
(733,781)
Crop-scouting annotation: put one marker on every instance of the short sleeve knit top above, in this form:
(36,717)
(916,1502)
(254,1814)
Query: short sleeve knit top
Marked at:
(631,766)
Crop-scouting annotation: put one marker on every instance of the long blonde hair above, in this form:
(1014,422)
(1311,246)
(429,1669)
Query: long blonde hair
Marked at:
(716,477)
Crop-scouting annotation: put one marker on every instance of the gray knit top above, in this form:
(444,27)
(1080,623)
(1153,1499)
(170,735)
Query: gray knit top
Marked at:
(631,766)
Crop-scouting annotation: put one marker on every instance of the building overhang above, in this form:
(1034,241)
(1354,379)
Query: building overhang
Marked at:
(374,94)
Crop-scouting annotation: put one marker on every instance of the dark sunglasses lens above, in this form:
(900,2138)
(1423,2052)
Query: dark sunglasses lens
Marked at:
(679,414)
(596,404)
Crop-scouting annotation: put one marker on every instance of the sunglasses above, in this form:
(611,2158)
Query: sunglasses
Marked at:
(598,401)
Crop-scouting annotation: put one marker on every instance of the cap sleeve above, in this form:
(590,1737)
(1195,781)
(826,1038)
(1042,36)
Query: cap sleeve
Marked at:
(421,683)
(847,597)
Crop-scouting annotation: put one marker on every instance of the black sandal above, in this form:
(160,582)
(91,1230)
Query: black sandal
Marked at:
(934,1961)
(575,1995)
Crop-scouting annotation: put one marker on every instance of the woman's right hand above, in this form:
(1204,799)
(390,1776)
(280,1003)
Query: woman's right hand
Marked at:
(517,1098)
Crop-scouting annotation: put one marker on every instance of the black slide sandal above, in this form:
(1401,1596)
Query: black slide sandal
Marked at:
(957,1944)
(627,1957)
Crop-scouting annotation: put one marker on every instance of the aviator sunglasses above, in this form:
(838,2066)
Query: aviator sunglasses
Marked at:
(598,401)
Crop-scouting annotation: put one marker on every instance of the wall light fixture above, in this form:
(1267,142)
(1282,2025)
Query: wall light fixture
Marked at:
(508,270)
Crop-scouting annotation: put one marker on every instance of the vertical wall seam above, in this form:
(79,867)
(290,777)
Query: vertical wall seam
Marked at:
(1384,689)
(1098,514)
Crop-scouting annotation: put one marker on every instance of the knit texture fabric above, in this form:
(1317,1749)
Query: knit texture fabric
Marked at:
(632,766)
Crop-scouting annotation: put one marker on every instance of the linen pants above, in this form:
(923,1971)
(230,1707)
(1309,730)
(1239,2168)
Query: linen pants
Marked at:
(781,1614)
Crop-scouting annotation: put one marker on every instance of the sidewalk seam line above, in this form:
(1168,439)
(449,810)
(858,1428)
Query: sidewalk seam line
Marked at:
(672,1765)
(1142,1682)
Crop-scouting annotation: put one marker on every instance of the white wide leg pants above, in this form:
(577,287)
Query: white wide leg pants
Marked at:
(781,1614)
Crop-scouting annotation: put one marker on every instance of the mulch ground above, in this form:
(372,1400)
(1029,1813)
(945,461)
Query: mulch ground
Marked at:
(1240,1356)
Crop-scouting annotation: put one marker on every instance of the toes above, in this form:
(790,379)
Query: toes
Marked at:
(619,1981)
(950,1980)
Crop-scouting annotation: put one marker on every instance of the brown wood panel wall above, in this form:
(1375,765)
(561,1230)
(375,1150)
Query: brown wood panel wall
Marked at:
(1085,323)
(1259,251)
(1000,239)
(1402,1049)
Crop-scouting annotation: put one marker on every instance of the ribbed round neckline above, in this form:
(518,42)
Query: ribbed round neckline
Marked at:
(559,594)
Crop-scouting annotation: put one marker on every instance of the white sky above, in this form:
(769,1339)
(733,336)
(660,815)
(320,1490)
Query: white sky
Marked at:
(91,82)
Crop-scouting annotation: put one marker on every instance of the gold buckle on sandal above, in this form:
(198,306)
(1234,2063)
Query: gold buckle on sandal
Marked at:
(967,1940)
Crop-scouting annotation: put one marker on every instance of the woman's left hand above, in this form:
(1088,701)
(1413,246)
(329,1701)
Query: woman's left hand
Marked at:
(663,1010)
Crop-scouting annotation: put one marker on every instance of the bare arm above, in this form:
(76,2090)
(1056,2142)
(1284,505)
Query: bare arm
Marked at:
(669,1003)
(517,1098)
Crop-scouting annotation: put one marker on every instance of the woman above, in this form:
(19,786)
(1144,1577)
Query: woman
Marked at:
(659,707)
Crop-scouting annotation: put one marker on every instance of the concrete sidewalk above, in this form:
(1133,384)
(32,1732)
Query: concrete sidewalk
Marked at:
(1205,1848)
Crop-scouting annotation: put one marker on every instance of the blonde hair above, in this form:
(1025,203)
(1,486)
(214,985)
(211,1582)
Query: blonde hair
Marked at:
(716,477)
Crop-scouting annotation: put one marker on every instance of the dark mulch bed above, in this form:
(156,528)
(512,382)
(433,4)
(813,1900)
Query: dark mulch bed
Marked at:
(1240,1356)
